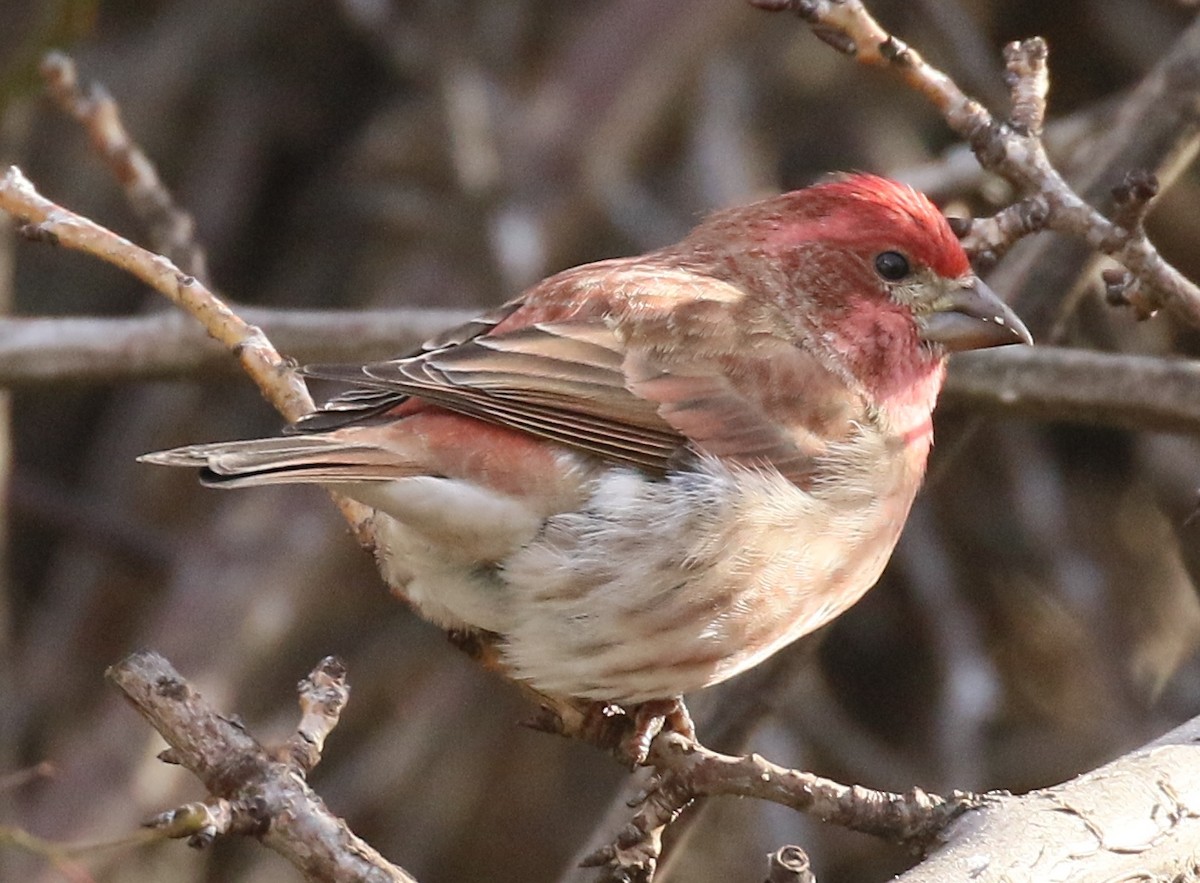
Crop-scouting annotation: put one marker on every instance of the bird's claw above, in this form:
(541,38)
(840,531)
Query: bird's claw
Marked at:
(650,719)
(629,732)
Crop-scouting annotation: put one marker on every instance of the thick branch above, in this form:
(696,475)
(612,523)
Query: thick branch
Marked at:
(166,345)
(1106,389)
(1137,818)
(1046,383)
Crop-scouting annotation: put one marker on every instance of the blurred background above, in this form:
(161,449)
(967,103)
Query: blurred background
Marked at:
(1039,617)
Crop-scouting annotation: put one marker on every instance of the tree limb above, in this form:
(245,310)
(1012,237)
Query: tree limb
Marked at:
(1137,818)
(170,345)
(1046,383)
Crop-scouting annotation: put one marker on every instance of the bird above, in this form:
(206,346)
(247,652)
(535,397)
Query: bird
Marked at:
(648,474)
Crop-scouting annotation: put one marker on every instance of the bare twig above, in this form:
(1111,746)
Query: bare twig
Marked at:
(66,857)
(56,854)
(987,239)
(728,725)
(43,219)
(915,818)
(274,376)
(1132,197)
(1012,149)
(202,822)
(253,792)
(323,695)
(1154,127)
(171,229)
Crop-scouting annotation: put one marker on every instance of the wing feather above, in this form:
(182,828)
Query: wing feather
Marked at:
(611,382)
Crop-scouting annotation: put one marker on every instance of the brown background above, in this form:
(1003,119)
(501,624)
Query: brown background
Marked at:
(1038,618)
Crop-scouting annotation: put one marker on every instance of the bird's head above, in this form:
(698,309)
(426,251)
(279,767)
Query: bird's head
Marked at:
(866,266)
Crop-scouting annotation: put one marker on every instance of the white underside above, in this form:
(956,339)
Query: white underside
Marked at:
(652,588)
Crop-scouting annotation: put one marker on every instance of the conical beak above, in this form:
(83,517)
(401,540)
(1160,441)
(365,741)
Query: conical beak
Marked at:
(970,318)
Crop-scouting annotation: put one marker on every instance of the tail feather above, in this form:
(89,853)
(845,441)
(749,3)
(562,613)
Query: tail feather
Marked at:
(310,459)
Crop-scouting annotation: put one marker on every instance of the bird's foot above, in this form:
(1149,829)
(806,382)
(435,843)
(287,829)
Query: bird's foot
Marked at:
(650,719)
(629,732)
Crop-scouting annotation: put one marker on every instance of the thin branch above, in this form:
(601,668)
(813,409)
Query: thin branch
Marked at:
(48,221)
(275,377)
(1132,197)
(323,695)
(987,239)
(54,853)
(1154,128)
(254,792)
(691,770)
(1012,149)
(171,230)
(67,858)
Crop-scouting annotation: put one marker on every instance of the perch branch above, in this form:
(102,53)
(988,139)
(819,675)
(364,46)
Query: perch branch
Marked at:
(1136,817)
(686,770)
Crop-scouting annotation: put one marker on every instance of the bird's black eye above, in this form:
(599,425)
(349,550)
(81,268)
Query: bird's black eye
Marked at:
(892,265)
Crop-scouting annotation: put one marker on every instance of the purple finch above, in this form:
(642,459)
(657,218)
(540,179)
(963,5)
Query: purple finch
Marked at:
(648,474)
